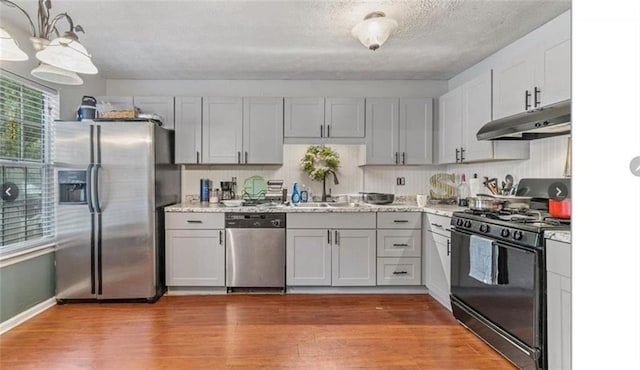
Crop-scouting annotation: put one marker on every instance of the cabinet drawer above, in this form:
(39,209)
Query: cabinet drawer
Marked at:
(439,224)
(399,271)
(399,220)
(356,220)
(559,257)
(191,220)
(399,243)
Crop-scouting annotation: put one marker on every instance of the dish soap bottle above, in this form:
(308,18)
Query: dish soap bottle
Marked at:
(295,194)
(463,192)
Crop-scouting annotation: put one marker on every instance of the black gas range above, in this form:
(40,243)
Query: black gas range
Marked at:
(498,274)
(523,227)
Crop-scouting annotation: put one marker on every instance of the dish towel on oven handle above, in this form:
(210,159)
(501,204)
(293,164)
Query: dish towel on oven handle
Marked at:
(483,260)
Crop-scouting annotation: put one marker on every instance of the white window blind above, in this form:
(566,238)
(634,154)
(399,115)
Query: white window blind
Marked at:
(27,111)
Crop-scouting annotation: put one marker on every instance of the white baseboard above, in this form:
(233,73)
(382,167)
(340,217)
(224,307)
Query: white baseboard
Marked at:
(22,317)
(418,289)
(196,291)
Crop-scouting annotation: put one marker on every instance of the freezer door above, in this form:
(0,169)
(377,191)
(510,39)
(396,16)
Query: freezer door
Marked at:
(125,188)
(75,228)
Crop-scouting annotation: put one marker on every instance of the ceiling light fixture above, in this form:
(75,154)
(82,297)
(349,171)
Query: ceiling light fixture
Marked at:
(64,54)
(374,30)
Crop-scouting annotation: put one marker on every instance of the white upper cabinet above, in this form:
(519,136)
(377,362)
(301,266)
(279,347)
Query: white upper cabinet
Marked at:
(188,127)
(324,118)
(262,131)
(399,131)
(463,111)
(222,130)
(344,117)
(539,75)
(163,106)
(304,117)
(242,130)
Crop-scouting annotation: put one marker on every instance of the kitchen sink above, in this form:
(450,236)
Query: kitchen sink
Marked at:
(329,205)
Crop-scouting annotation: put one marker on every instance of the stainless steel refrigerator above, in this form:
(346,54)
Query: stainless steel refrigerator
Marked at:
(112,181)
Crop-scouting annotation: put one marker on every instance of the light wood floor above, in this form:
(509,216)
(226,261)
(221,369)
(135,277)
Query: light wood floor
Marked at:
(250,332)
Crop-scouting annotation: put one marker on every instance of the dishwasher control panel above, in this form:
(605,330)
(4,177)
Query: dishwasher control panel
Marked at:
(255,220)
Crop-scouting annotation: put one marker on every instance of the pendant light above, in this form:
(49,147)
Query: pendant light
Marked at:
(67,53)
(9,49)
(57,75)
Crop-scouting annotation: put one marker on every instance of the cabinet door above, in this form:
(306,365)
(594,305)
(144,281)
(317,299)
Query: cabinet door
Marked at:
(160,105)
(308,257)
(344,117)
(221,130)
(188,129)
(416,131)
(555,73)
(262,130)
(195,258)
(439,268)
(450,126)
(476,112)
(303,117)
(511,82)
(559,321)
(354,258)
(382,131)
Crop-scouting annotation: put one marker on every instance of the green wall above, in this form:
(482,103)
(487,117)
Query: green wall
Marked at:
(25,284)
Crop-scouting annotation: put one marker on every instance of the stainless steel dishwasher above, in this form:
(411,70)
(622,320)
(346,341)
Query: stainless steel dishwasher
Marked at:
(255,251)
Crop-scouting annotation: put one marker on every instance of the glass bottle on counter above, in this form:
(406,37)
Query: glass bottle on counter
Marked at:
(463,192)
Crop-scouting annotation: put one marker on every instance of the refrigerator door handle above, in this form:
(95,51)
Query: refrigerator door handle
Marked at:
(96,188)
(90,188)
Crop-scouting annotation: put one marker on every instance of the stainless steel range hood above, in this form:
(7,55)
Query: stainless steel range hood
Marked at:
(552,120)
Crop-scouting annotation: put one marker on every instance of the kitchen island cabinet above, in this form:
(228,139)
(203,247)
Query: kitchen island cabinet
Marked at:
(195,250)
(399,131)
(329,119)
(558,304)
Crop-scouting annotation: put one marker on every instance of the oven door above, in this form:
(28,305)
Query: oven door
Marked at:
(513,300)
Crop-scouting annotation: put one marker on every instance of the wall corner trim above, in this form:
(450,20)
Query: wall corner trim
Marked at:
(22,317)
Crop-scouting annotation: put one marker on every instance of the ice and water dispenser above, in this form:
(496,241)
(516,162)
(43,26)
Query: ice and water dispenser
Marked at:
(72,187)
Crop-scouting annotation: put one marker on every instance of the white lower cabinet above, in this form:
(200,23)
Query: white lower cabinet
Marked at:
(399,248)
(195,250)
(308,257)
(399,271)
(353,258)
(321,253)
(558,305)
(437,240)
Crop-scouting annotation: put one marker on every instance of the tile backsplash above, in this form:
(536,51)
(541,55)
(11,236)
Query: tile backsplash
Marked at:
(547,159)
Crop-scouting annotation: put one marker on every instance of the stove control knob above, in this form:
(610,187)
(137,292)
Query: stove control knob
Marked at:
(517,235)
(484,228)
(459,222)
(505,233)
(467,224)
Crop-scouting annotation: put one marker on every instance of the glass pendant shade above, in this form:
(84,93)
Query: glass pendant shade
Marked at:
(9,49)
(374,30)
(69,54)
(57,75)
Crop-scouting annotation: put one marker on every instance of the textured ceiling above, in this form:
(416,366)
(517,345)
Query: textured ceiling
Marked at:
(292,39)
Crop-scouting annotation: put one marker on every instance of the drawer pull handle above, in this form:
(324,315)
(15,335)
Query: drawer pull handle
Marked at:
(400,272)
(400,245)
(194,221)
(401,221)
(437,225)
(449,230)
(220,238)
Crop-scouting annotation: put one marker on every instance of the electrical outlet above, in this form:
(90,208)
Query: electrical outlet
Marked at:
(400,181)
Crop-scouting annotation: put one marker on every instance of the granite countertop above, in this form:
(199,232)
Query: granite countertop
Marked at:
(561,236)
(445,210)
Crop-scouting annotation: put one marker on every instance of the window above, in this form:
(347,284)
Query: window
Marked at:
(27,111)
